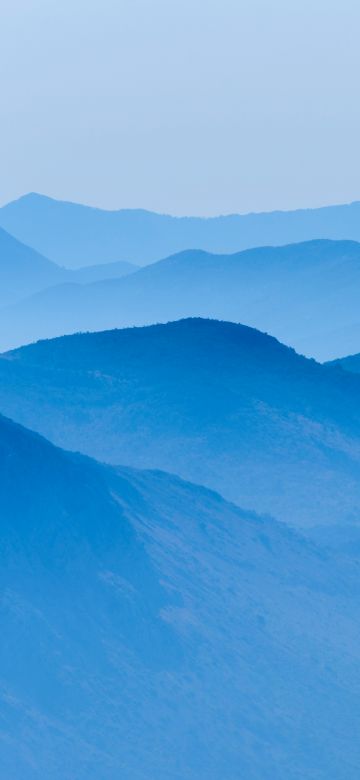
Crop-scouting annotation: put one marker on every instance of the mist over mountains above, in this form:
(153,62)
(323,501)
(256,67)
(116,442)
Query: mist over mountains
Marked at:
(23,271)
(304,294)
(180,554)
(152,629)
(74,235)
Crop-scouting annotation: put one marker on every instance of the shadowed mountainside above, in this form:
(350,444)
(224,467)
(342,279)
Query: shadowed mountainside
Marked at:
(217,403)
(153,630)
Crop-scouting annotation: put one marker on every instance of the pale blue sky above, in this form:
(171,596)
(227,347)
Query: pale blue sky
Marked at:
(191,107)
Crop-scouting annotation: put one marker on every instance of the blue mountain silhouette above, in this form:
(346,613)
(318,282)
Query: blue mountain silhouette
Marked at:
(304,294)
(349,363)
(217,403)
(76,235)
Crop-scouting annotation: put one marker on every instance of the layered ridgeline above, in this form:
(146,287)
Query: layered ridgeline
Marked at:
(23,271)
(153,630)
(76,235)
(217,403)
(306,295)
(348,363)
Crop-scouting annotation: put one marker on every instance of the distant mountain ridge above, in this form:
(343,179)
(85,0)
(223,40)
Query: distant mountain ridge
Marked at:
(349,363)
(217,403)
(304,294)
(23,271)
(148,624)
(75,235)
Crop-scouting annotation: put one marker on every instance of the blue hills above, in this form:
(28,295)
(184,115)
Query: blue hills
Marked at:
(187,604)
(24,272)
(150,629)
(305,294)
(75,235)
(216,403)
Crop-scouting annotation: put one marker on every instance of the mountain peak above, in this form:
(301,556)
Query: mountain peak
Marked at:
(170,395)
(206,337)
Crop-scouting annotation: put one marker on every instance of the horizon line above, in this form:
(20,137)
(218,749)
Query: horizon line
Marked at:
(221,215)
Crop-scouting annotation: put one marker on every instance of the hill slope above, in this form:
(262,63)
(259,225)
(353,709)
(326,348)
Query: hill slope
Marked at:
(23,271)
(350,363)
(152,630)
(305,295)
(76,235)
(97,273)
(214,402)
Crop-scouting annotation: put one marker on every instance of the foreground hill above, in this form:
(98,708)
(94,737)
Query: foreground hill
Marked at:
(306,295)
(153,630)
(76,235)
(217,403)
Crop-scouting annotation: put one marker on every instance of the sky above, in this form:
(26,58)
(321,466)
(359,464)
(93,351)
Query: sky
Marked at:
(192,107)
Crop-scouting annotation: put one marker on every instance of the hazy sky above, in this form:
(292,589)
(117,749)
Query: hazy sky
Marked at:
(191,107)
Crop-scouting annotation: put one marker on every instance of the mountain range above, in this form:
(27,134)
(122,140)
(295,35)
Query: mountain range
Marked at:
(150,629)
(179,557)
(304,294)
(74,235)
(216,403)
